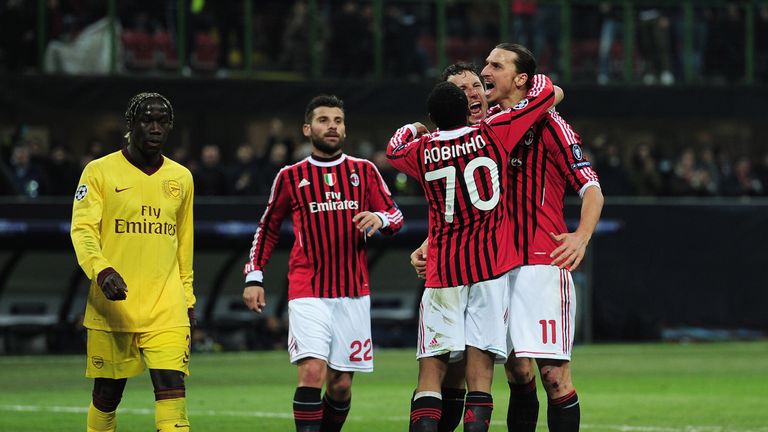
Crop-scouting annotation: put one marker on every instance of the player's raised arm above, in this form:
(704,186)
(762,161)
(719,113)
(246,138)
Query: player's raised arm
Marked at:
(510,125)
(559,96)
(406,140)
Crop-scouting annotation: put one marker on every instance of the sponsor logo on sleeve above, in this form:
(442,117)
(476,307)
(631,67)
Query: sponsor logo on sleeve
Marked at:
(579,165)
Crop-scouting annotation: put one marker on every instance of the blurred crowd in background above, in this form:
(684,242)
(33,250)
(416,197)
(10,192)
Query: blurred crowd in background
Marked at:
(706,166)
(344,37)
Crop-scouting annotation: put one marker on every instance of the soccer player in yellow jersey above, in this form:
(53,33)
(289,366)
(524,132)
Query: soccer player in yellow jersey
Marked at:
(132,232)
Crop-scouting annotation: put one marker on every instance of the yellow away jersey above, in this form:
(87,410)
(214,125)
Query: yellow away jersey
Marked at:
(141,225)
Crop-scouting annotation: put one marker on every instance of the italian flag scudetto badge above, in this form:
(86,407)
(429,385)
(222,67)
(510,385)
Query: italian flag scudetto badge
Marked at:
(329,179)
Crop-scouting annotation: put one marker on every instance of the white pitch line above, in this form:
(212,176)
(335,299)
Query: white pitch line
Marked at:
(289,416)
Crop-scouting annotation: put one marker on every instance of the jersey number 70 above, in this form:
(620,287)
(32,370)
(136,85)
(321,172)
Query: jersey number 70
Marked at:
(449,174)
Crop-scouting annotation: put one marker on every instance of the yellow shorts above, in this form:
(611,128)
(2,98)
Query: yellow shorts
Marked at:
(124,355)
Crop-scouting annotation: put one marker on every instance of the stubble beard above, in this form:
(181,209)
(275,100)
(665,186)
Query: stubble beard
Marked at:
(320,144)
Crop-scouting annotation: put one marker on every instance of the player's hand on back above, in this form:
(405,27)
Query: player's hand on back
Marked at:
(571,251)
(420,129)
(368,222)
(253,297)
(114,287)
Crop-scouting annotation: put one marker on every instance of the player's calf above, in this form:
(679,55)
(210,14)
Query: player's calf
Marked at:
(170,400)
(334,413)
(523,409)
(307,409)
(426,410)
(477,411)
(107,394)
(564,414)
(453,409)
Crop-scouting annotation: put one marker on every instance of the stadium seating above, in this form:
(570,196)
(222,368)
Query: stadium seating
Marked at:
(139,50)
(205,53)
(165,50)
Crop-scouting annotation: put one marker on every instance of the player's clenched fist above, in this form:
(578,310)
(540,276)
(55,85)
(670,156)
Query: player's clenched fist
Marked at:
(253,297)
(419,260)
(114,288)
(368,222)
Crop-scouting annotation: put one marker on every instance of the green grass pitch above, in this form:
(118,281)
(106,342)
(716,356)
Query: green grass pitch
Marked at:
(707,387)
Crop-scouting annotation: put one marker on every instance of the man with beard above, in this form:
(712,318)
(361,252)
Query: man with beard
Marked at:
(464,308)
(541,285)
(132,232)
(336,202)
(542,298)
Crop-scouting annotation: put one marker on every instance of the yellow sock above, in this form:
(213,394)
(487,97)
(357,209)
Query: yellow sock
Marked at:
(171,415)
(99,421)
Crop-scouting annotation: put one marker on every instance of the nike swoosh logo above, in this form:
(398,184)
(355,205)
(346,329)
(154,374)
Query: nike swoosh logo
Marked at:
(118,190)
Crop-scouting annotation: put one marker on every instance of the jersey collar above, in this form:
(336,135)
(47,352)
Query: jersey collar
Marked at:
(443,135)
(146,170)
(326,162)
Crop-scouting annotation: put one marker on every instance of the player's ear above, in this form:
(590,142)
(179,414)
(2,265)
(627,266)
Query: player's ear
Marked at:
(307,129)
(521,79)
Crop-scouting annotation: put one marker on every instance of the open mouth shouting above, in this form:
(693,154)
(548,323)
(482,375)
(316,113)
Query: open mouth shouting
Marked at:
(475,108)
(489,86)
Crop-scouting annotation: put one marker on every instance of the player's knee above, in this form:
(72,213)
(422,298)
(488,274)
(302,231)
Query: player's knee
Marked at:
(166,379)
(555,381)
(340,385)
(168,384)
(519,370)
(312,374)
(107,393)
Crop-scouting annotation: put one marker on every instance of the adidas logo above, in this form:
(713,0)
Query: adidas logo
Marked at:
(469,416)
(434,343)
(303,182)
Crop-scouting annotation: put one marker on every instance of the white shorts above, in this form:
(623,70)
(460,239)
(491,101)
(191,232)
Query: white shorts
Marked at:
(469,315)
(542,306)
(337,330)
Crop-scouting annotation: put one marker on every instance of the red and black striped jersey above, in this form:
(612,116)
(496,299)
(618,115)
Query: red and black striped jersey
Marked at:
(462,173)
(328,258)
(548,157)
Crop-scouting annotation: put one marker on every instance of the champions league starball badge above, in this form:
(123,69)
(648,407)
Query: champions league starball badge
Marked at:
(577,154)
(81,192)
